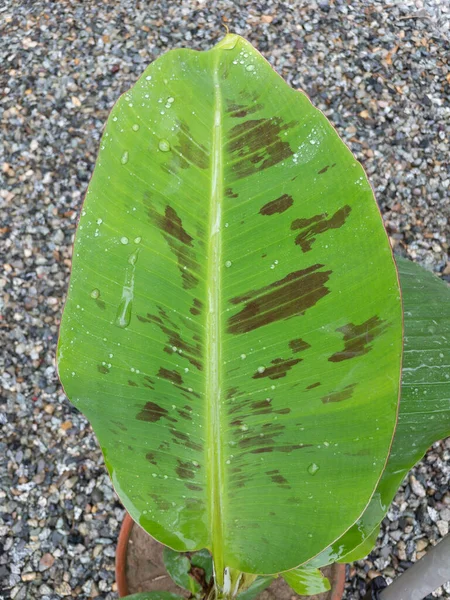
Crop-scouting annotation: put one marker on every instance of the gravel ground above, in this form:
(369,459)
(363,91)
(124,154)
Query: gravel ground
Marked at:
(379,71)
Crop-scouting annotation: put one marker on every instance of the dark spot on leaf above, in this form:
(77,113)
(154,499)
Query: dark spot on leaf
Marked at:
(242,110)
(316,225)
(185,470)
(277,478)
(258,145)
(287,297)
(191,352)
(325,169)
(197,307)
(298,345)
(178,240)
(232,392)
(193,487)
(183,437)
(161,503)
(229,193)
(357,338)
(152,412)
(172,376)
(148,382)
(120,425)
(279,368)
(100,303)
(341,395)
(184,414)
(190,150)
(132,383)
(313,385)
(150,456)
(362,452)
(277,206)
(102,369)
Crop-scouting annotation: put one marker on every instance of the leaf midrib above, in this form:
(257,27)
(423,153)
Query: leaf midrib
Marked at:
(213,352)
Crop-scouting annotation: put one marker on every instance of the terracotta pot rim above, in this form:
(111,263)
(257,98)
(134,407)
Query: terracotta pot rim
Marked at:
(337,590)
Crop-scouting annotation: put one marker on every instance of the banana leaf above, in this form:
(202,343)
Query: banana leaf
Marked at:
(233,325)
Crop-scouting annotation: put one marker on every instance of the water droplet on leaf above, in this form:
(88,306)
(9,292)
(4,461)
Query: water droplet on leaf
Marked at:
(313,468)
(250,67)
(124,240)
(135,127)
(164,146)
(95,293)
(228,263)
(124,158)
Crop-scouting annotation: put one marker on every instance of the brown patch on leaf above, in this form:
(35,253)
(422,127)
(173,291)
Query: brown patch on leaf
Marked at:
(161,503)
(191,352)
(197,307)
(190,150)
(178,240)
(179,437)
(313,385)
(316,225)
(325,169)
(298,345)
(340,396)
(150,456)
(277,478)
(102,369)
(279,368)
(132,383)
(357,338)
(148,382)
(193,487)
(152,412)
(172,376)
(277,206)
(184,414)
(256,145)
(229,193)
(185,470)
(120,425)
(242,110)
(287,297)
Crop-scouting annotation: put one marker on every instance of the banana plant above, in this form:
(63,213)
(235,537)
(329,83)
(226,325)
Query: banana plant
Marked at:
(233,328)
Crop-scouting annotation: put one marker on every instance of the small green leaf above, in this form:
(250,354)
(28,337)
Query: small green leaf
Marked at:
(178,567)
(306,581)
(154,596)
(203,560)
(259,585)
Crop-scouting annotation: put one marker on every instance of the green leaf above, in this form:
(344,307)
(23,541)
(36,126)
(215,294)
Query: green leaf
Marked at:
(364,549)
(178,566)
(306,581)
(203,560)
(154,596)
(233,323)
(258,586)
(424,415)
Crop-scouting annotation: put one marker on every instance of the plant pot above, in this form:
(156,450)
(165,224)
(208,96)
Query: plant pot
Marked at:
(140,568)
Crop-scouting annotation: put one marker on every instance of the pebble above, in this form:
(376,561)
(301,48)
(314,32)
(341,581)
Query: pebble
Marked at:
(417,487)
(379,71)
